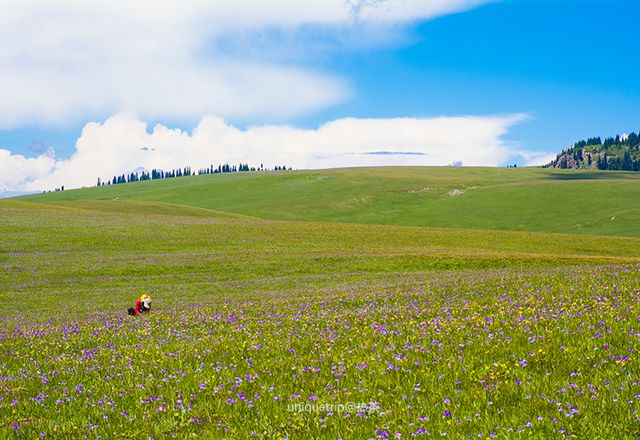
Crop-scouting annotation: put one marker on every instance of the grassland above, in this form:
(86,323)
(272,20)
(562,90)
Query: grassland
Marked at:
(99,252)
(520,199)
(273,328)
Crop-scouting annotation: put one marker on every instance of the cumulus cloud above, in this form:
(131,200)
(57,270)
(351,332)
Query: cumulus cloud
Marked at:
(124,143)
(18,172)
(66,61)
(535,158)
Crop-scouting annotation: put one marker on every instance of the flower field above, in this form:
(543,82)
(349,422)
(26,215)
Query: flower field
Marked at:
(546,356)
(490,348)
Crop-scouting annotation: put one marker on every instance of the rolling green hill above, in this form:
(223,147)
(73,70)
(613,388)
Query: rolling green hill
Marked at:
(277,309)
(519,199)
(89,253)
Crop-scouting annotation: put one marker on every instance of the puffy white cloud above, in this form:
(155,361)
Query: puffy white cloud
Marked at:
(535,158)
(124,143)
(18,172)
(67,60)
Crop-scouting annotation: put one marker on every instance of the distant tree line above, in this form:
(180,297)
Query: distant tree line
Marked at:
(55,190)
(156,174)
(615,153)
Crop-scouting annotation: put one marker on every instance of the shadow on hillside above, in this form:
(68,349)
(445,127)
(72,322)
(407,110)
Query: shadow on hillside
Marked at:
(591,175)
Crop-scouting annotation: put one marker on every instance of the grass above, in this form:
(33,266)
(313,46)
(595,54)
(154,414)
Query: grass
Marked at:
(273,328)
(521,199)
(542,355)
(118,247)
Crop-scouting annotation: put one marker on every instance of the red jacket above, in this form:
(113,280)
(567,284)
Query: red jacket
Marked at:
(139,307)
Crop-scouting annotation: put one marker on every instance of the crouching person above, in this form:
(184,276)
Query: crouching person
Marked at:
(143,305)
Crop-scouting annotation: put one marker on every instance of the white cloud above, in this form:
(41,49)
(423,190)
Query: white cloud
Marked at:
(17,172)
(535,158)
(124,143)
(66,61)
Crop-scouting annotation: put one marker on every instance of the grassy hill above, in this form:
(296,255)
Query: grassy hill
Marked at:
(526,199)
(92,254)
(415,326)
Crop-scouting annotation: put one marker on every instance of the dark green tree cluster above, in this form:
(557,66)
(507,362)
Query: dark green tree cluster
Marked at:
(156,174)
(625,162)
(145,175)
(615,153)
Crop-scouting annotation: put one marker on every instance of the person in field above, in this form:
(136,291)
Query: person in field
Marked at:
(143,305)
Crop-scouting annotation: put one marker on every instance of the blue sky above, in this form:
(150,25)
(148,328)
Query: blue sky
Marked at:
(522,78)
(574,66)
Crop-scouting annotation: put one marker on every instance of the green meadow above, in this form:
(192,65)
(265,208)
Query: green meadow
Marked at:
(517,199)
(349,303)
